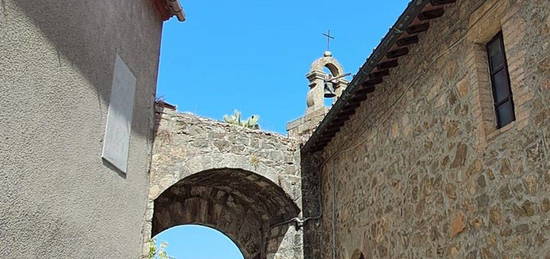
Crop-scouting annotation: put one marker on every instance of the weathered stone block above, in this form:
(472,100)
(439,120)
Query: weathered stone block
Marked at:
(457,224)
(460,155)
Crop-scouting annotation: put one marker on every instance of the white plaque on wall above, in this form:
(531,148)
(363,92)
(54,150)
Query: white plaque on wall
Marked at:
(119,116)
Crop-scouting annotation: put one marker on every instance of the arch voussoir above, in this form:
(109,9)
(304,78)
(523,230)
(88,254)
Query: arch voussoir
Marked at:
(242,211)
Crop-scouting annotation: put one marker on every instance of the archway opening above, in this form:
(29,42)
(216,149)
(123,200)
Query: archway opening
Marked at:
(245,206)
(332,72)
(357,254)
(198,242)
(331,69)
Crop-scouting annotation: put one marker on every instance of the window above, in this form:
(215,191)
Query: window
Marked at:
(500,81)
(358,255)
(492,22)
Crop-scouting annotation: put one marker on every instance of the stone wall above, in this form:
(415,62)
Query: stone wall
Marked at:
(302,128)
(421,170)
(59,199)
(243,182)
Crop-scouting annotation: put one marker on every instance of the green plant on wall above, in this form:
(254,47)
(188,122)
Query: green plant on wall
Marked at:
(235,119)
(255,161)
(157,253)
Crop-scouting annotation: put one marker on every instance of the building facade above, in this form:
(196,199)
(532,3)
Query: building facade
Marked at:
(440,146)
(78,82)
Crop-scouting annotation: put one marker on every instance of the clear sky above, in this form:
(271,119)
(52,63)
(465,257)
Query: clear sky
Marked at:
(198,242)
(252,55)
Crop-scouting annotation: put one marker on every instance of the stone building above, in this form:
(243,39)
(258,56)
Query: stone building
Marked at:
(324,71)
(245,183)
(74,161)
(440,146)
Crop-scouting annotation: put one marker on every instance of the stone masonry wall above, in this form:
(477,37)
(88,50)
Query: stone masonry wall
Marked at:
(421,170)
(302,128)
(237,180)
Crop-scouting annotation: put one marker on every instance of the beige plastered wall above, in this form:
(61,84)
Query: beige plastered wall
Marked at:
(58,198)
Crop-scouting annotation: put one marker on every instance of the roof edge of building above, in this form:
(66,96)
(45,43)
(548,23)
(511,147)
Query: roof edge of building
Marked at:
(168,8)
(176,10)
(337,116)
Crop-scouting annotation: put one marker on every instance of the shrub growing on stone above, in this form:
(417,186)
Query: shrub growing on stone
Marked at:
(235,119)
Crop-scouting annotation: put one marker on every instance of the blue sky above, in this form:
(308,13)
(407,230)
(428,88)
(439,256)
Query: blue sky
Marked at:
(252,55)
(198,242)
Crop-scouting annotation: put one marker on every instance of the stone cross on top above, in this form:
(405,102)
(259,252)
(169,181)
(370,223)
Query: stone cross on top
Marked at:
(329,37)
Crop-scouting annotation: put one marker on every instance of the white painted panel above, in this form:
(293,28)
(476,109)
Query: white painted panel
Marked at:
(119,117)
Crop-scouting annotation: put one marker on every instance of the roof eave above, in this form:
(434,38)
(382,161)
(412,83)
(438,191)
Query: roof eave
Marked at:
(317,140)
(168,8)
(176,10)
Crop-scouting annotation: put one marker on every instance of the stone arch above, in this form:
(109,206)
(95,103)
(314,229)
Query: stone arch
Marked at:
(193,156)
(329,62)
(334,71)
(357,254)
(207,162)
(241,204)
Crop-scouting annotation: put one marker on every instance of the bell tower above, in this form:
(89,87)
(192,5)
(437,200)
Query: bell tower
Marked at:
(326,80)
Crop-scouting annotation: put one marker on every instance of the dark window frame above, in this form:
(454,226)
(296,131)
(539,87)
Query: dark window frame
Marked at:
(508,100)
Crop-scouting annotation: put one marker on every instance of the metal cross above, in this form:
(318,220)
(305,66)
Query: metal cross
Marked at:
(329,37)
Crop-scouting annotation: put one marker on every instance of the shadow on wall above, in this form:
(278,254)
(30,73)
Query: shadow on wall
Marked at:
(311,203)
(90,33)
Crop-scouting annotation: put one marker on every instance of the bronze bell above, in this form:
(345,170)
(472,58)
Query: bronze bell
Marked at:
(329,89)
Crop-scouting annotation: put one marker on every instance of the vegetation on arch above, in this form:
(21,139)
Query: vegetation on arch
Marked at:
(157,252)
(235,119)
